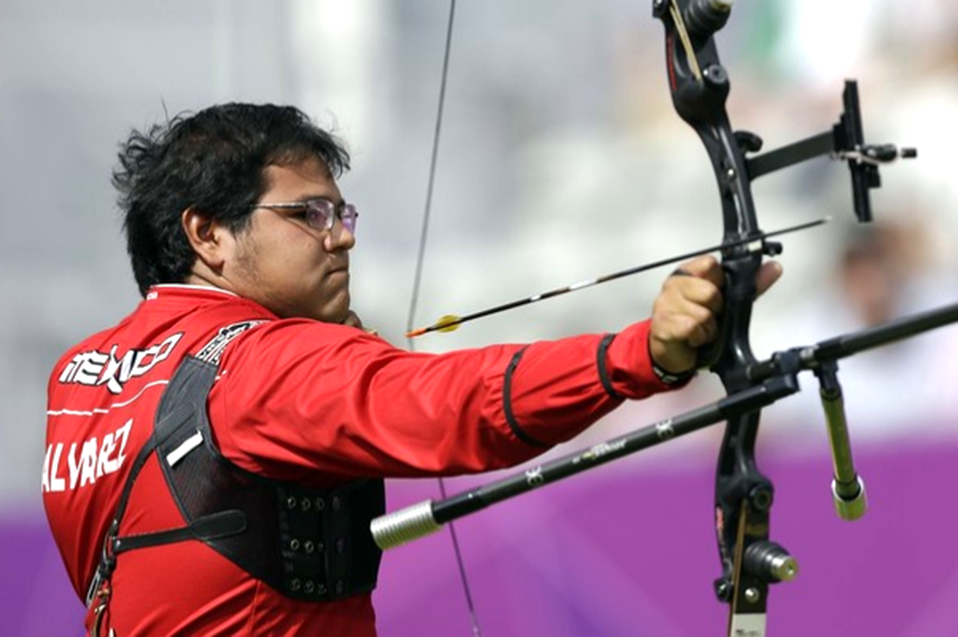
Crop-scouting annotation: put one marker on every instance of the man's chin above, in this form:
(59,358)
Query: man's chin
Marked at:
(327,304)
(338,314)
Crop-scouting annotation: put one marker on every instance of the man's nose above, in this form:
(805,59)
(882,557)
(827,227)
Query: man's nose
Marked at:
(339,238)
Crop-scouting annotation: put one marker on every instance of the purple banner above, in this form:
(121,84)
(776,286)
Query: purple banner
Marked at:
(630,550)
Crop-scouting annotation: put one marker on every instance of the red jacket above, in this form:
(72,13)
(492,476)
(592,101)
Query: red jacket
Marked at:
(295,400)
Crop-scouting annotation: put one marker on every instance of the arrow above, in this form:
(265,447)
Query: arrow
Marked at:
(451,322)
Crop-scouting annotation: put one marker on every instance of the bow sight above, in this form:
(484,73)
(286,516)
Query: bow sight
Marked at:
(845,142)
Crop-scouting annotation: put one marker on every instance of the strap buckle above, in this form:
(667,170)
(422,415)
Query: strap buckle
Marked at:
(99,613)
(105,568)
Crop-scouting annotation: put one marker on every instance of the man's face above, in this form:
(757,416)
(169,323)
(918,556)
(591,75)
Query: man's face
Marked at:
(281,262)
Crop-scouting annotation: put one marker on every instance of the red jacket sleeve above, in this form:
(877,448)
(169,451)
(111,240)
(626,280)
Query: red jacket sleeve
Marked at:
(296,397)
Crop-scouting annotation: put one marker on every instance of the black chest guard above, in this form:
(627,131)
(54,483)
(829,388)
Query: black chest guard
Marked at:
(312,545)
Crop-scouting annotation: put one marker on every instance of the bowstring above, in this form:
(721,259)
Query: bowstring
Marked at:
(417,285)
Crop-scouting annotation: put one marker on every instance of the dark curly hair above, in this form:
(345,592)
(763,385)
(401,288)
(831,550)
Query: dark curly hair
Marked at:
(214,162)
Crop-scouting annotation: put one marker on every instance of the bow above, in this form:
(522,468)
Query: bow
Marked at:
(699,87)
(751,562)
(743,495)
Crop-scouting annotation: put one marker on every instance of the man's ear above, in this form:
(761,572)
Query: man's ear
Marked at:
(208,238)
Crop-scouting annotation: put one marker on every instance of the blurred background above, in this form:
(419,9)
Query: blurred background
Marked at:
(561,158)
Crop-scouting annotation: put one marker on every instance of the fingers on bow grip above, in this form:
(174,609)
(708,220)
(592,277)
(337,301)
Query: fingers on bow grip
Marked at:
(705,292)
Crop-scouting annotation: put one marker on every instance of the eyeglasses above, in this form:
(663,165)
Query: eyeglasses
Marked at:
(319,213)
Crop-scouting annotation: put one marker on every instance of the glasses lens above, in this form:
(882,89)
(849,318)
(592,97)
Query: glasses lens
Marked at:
(348,216)
(320,214)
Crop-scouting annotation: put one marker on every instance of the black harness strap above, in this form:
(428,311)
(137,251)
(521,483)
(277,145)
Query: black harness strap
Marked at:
(209,527)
